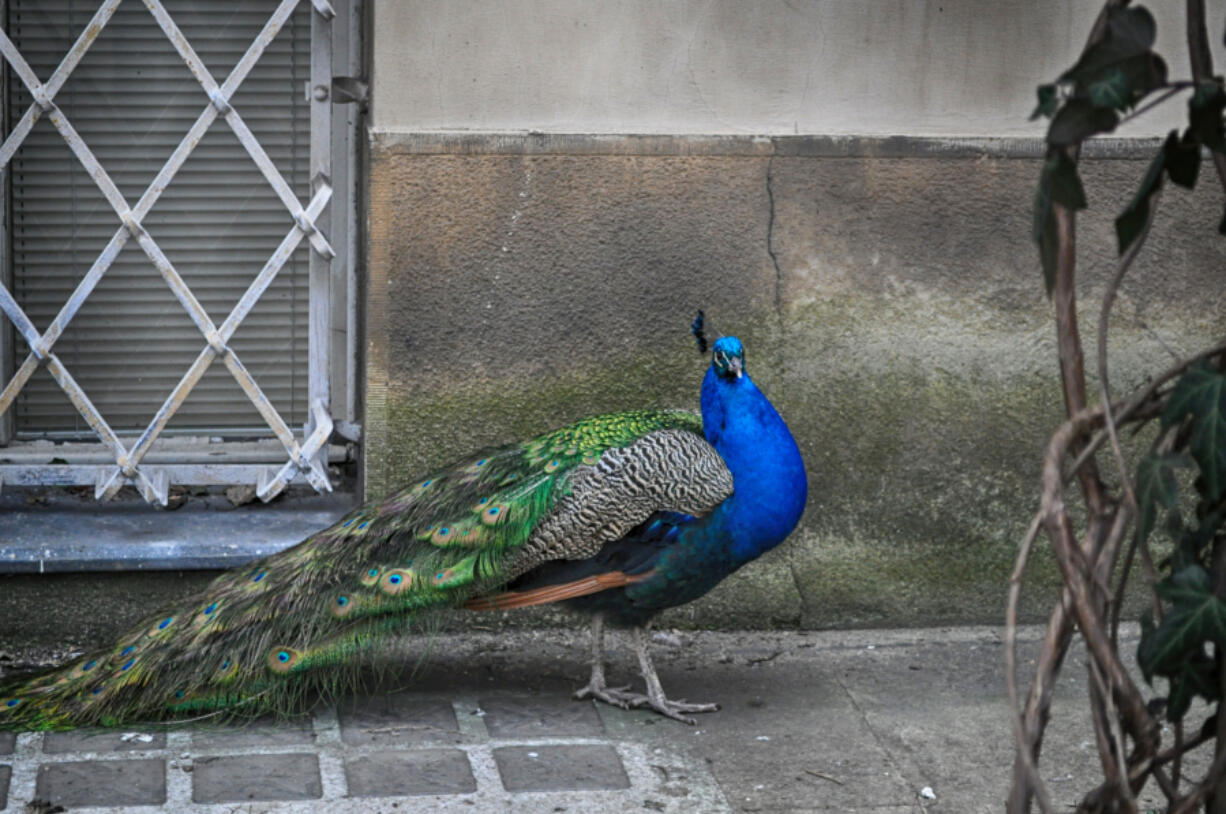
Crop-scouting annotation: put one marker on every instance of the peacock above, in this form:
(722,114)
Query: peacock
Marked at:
(618,516)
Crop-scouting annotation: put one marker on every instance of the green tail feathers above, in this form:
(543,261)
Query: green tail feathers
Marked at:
(284,631)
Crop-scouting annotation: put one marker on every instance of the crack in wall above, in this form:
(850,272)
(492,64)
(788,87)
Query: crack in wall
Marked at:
(774,256)
(770,234)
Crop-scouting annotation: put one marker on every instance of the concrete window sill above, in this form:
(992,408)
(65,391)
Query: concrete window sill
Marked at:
(58,531)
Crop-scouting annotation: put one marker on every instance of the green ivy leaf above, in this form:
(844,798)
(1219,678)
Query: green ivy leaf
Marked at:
(1078,120)
(1205,115)
(1111,90)
(1059,183)
(1201,394)
(1066,188)
(1195,539)
(1130,33)
(1195,675)
(1049,100)
(1045,225)
(1131,222)
(1196,617)
(1125,83)
(1156,488)
(1182,159)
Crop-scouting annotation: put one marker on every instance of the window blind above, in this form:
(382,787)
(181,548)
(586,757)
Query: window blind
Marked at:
(132,99)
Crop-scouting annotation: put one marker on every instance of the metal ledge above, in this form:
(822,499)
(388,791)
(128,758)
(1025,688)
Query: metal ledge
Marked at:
(65,533)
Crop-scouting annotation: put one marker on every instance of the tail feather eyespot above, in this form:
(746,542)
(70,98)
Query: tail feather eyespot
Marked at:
(283,659)
(396,581)
(370,576)
(207,614)
(162,626)
(227,670)
(494,514)
(341,606)
(82,668)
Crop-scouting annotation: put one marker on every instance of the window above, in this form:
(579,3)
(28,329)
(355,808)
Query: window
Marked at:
(177,245)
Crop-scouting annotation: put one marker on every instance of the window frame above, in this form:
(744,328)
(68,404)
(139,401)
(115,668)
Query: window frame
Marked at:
(333,365)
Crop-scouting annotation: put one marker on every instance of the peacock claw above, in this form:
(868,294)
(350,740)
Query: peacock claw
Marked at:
(670,709)
(614,696)
(619,697)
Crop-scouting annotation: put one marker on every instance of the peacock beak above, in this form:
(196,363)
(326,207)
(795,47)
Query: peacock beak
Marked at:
(736,365)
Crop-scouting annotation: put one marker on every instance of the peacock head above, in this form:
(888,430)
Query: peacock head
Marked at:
(728,357)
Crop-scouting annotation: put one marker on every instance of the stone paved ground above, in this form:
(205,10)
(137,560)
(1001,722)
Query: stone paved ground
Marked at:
(859,721)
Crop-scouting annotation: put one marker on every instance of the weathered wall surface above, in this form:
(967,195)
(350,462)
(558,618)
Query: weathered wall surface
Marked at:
(891,306)
(555,186)
(777,67)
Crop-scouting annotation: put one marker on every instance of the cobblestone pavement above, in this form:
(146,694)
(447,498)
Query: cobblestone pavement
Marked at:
(863,721)
(405,751)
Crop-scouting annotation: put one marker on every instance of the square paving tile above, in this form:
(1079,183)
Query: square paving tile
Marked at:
(257,733)
(245,778)
(532,716)
(6,772)
(388,720)
(102,783)
(102,740)
(432,771)
(560,768)
(7,740)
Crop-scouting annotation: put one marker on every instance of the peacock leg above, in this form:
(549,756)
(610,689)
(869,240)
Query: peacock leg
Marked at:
(596,687)
(655,693)
(619,697)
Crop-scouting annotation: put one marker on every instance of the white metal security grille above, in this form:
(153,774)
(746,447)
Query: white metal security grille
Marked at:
(305,456)
(131,99)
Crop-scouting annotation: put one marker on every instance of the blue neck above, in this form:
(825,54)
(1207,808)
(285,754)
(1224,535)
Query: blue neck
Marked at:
(768,473)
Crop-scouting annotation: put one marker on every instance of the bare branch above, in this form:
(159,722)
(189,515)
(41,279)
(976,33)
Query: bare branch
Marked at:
(1024,753)
(1104,317)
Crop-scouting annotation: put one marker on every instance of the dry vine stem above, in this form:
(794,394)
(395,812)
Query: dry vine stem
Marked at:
(1087,566)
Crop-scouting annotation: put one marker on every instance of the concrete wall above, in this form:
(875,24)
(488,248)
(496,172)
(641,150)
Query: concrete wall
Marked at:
(886,288)
(777,67)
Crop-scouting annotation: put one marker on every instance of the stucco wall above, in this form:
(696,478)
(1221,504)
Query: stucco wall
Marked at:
(892,309)
(885,284)
(778,67)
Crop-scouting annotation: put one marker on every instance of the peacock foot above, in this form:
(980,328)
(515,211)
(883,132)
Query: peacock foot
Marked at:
(619,697)
(614,696)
